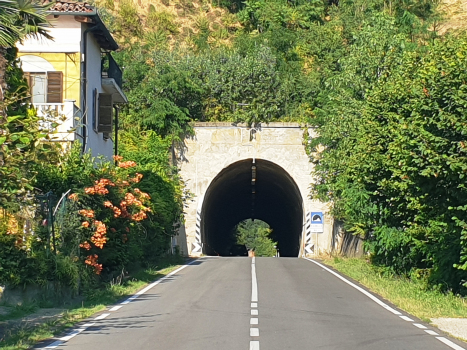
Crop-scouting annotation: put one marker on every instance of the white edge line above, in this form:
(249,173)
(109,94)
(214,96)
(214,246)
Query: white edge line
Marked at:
(54,345)
(75,332)
(72,334)
(145,289)
(369,295)
(430,332)
(450,343)
(418,325)
(405,318)
(101,317)
(133,297)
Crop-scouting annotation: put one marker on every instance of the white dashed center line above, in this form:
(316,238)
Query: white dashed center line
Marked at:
(254,332)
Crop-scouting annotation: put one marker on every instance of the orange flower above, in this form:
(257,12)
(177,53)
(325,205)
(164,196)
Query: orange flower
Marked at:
(91,260)
(89,190)
(85,224)
(108,204)
(139,216)
(98,269)
(87,212)
(85,245)
(73,197)
(127,164)
(137,178)
(118,158)
(117,212)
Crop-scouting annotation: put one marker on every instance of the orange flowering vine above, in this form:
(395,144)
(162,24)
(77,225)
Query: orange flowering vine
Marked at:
(92,261)
(89,213)
(85,245)
(73,197)
(99,187)
(127,164)
(98,238)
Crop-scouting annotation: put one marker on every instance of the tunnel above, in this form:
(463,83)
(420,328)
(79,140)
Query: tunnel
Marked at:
(256,189)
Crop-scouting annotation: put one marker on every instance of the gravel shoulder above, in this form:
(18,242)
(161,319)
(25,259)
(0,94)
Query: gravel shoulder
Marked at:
(457,327)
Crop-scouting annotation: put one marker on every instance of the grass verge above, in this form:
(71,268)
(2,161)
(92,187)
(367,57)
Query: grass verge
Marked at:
(406,294)
(24,336)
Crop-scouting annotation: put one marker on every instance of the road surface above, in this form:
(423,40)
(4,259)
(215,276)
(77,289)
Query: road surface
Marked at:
(263,303)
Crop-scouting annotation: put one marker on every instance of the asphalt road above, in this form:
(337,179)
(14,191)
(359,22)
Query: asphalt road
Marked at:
(265,303)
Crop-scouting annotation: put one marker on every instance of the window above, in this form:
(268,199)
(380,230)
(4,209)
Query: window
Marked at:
(45,87)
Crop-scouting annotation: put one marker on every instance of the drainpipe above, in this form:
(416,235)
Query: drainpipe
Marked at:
(117,109)
(84,83)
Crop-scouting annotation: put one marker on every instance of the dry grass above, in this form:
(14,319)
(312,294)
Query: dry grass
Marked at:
(454,15)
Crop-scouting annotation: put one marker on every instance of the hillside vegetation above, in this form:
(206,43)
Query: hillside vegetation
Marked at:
(382,81)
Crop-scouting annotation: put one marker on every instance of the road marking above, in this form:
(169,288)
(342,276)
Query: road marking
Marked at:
(153,284)
(101,317)
(418,325)
(405,318)
(430,332)
(254,345)
(369,295)
(54,345)
(254,283)
(77,331)
(254,332)
(387,307)
(450,343)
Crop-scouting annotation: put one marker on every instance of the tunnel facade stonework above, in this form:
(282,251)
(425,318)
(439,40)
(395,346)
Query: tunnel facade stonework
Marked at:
(219,148)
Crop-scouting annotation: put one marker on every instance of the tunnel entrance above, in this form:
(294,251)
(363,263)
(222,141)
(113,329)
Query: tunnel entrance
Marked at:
(256,189)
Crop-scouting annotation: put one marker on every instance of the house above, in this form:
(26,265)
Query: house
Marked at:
(74,79)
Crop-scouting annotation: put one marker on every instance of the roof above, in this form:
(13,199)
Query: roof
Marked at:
(70,6)
(86,13)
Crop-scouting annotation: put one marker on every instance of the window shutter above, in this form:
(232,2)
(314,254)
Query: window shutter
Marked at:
(54,87)
(105,113)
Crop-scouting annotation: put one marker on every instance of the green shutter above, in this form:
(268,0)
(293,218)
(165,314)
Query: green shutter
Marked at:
(105,120)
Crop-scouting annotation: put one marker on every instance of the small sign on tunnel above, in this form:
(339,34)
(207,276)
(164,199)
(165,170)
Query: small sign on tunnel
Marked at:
(317,224)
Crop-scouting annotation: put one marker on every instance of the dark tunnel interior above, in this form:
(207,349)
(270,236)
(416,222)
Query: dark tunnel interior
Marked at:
(252,189)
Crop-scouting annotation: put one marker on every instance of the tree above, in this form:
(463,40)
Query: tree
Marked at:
(255,235)
(19,19)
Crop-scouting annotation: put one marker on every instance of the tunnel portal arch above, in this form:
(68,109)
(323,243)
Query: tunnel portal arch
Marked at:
(218,157)
(257,189)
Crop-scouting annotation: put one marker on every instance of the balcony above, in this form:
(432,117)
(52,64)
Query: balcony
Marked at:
(60,119)
(112,79)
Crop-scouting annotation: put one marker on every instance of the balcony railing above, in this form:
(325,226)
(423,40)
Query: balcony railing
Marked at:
(110,69)
(59,119)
